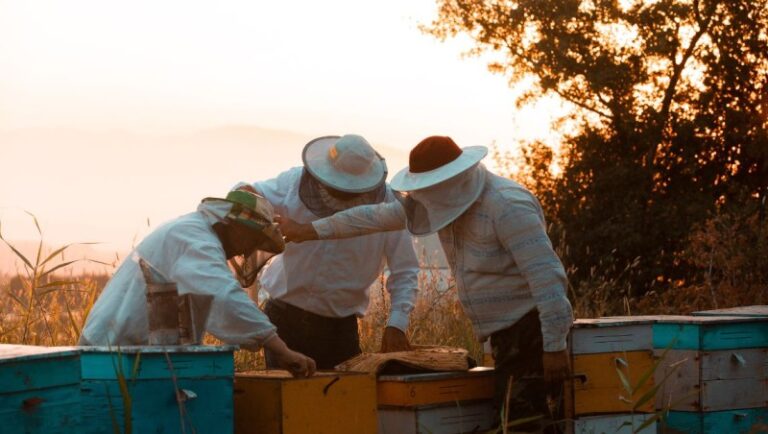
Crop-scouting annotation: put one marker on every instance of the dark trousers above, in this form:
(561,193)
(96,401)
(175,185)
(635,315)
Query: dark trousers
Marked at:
(329,341)
(517,351)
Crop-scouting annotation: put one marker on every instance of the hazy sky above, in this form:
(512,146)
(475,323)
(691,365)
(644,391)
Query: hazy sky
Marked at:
(115,112)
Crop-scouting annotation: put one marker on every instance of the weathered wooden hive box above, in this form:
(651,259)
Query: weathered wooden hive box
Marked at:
(437,403)
(155,389)
(605,351)
(273,402)
(39,389)
(713,373)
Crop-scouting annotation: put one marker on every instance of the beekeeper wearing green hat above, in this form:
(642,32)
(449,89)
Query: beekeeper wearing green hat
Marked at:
(192,251)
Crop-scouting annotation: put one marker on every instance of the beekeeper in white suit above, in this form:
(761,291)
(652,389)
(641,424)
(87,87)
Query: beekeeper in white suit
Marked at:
(192,251)
(510,281)
(317,290)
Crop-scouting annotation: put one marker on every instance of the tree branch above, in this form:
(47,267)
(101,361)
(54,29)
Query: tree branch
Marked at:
(669,92)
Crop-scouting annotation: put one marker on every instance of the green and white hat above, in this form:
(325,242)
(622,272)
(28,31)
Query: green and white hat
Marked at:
(252,211)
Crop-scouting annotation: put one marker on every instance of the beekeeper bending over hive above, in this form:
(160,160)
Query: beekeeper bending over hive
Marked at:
(192,251)
(510,281)
(318,290)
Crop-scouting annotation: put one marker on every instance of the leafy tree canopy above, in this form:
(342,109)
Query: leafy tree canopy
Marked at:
(670,100)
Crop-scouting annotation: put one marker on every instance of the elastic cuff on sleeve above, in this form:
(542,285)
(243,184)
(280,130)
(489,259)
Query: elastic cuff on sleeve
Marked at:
(257,344)
(398,320)
(555,346)
(323,228)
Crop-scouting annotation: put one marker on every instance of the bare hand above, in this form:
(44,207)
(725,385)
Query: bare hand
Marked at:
(297,364)
(294,362)
(394,340)
(557,366)
(294,231)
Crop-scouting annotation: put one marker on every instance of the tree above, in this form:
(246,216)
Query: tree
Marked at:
(671,102)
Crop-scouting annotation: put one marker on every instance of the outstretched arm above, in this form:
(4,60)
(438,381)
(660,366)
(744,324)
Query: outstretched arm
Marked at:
(402,284)
(361,220)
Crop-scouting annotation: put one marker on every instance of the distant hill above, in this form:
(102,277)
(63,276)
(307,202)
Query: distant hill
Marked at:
(115,186)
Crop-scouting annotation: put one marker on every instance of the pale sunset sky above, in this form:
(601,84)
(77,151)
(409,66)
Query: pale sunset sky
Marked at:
(113,113)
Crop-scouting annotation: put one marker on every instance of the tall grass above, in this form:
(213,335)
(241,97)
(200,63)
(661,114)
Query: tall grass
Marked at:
(45,304)
(45,307)
(437,317)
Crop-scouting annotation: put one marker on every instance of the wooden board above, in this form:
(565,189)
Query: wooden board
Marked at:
(459,417)
(203,374)
(751,421)
(613,334)
(710,333)
(615,423)
(598,386)
(714,380)
(39,389)
(748,311)
(435,388)
(273,402)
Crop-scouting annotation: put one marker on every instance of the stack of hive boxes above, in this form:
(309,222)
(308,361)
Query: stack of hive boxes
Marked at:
(436,403)
(713,375)
(99,389)
(273,402)
(613,364)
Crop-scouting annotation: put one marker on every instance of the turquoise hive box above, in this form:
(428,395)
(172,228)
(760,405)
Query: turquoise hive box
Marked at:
(157,389)
(714,373)
(39,389)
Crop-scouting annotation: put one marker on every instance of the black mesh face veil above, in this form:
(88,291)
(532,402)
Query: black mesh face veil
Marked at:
(313,196)
(416,213)
(247,268)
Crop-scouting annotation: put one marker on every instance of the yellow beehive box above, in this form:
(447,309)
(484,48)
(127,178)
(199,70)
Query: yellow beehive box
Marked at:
(273,402)
(607,351)
(413,390)
(598,387)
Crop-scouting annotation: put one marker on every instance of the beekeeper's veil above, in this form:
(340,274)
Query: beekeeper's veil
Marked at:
(254,212)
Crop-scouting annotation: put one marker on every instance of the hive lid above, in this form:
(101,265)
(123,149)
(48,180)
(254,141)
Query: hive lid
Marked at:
(480,371)
(13,353)
(154,349)
(746,311)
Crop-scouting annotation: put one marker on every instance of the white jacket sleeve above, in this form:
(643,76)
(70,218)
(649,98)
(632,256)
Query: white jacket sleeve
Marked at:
(403,280)
(362,220)
(521,229)
(234,318)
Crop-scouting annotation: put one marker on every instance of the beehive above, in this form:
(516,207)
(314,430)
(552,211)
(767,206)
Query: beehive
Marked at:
(439,403)
(612,423)
(273,402)
(758,311)
(603,347)
(748,421)
(714,369)
(157,389)
(39,389)
(453,418)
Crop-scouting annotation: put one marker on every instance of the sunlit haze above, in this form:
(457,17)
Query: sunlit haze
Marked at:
(113,114)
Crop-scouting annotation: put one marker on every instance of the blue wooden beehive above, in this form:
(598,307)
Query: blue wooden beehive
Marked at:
(714,372)
(157,389)
(39,389)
